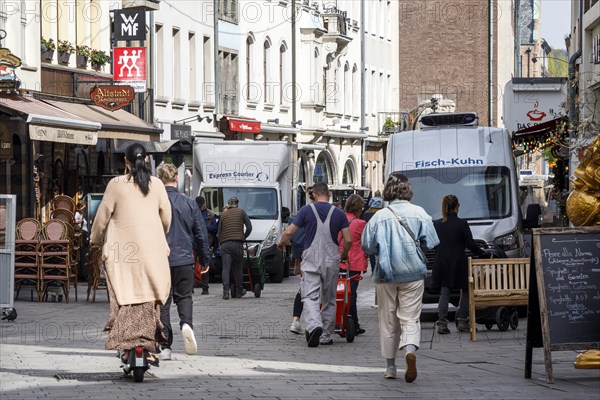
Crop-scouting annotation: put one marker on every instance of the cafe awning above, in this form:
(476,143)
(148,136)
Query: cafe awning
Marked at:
(240,124)
(118,124)
(49,123)
(537,137)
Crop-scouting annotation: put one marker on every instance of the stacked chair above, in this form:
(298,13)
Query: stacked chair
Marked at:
(97,275)
(55,250)
(27,256)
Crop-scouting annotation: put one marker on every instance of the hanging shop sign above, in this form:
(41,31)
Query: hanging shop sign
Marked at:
(181,131)
(242,125)
(129,67)
(8,62)
(532,101)
(112,97)
(130,24)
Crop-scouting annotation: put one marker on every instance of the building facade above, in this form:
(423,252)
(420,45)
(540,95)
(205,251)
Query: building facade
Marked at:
(458,50)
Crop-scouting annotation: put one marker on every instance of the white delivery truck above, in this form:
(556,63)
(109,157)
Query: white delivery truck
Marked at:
(261,174)
(450,154)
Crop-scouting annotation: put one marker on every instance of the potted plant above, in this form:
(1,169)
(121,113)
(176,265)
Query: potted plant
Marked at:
(65,49)
(390,125)
(47,48)
(82,54)
(98,58)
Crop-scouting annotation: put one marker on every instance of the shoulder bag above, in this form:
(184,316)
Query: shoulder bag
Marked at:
(411,234)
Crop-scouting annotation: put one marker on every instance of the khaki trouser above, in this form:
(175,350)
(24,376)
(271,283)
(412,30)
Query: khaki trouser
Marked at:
(399,308)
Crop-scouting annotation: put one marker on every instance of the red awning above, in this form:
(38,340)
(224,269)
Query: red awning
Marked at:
(540,129)
(243,125)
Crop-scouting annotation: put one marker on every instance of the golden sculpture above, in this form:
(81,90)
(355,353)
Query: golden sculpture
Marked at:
(583,209)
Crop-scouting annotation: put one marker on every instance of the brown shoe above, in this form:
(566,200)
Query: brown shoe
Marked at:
(411,367)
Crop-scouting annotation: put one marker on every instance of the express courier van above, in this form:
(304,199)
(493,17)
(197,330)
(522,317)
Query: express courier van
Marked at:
(261,175)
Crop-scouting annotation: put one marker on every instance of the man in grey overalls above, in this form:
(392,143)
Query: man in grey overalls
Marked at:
(322,223)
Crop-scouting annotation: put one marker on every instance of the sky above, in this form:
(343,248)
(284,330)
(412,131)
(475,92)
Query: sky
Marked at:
(556,22)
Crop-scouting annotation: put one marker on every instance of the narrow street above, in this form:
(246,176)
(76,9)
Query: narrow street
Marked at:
(245,351)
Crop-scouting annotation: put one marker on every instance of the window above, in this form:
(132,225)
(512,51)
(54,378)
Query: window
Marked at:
(192,61)
(250,95)
(160,59)
(347,98)
(228,76)
(268,97)
(282,73)
(228,10)
(176,60)
(323,170)
(348,174)
(355,92)
(483,192)
(208,87)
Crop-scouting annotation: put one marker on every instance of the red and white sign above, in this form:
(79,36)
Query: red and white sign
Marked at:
(240,125)
(129,67)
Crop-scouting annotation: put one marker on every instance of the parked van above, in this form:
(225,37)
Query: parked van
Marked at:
(450,154)
(261,175)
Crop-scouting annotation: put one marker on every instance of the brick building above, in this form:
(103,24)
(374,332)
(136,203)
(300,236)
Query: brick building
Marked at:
(460,49)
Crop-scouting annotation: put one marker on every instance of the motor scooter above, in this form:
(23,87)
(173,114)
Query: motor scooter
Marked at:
(136,363)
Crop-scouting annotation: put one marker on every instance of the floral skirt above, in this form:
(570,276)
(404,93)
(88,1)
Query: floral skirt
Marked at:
(133,325)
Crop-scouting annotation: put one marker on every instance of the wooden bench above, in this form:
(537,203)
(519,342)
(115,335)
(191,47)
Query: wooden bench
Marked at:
(496,282)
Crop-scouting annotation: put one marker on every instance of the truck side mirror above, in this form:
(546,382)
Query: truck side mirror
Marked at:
(285,214)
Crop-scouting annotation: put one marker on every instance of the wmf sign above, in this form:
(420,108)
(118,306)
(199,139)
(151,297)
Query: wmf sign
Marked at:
(130,24)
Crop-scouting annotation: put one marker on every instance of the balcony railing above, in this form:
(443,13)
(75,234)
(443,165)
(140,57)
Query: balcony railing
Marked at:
(391,122)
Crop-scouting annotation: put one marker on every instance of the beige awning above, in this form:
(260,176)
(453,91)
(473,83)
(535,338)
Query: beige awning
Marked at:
(49,123)
(118,124)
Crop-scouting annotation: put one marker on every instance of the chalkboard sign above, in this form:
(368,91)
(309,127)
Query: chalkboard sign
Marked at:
(571,270)
(564,297)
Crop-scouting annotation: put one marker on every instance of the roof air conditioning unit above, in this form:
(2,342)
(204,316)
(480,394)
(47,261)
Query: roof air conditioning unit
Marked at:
(449,119)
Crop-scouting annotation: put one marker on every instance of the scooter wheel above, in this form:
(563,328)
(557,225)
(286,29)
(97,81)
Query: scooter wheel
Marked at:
(138,374)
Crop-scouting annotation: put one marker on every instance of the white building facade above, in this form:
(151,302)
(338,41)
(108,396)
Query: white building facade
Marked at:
(299,81)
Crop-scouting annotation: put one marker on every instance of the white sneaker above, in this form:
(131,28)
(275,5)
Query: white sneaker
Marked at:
(165,354)
(189,340)
(296,327)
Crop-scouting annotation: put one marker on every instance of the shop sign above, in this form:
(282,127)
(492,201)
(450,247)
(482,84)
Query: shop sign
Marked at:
(8,63)
(181,131)
(112,97)
(62,135)
(129,67)
(130,24)
(237,125)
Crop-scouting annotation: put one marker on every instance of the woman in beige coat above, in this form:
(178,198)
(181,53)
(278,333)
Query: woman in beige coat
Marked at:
(133,217)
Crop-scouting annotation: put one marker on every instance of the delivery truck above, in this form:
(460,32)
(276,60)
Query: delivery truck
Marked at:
(451,154)
(261,174)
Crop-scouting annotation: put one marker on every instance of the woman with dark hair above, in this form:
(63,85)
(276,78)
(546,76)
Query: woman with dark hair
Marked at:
(357,259)
(398,234)
(450,267)
(130,225)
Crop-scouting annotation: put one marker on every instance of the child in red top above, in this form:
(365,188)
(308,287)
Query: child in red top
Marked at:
(356,256)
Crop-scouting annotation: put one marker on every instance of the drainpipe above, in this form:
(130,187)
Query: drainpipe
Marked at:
(517,72)
(572,61)
(362,91)
(216,58)
(294,116)
(491,60)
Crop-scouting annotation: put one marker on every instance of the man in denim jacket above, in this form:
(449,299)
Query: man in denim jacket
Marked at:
(394,235)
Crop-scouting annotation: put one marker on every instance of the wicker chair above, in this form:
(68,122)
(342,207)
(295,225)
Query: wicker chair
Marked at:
(27,256)
(55,255)
(64,202)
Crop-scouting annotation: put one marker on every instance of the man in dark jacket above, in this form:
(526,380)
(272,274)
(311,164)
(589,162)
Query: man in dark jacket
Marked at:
(231,234)
(212,223)
(186,235)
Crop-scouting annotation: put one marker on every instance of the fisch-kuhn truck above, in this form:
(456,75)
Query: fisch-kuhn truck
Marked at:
(261,175)
(450,154)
